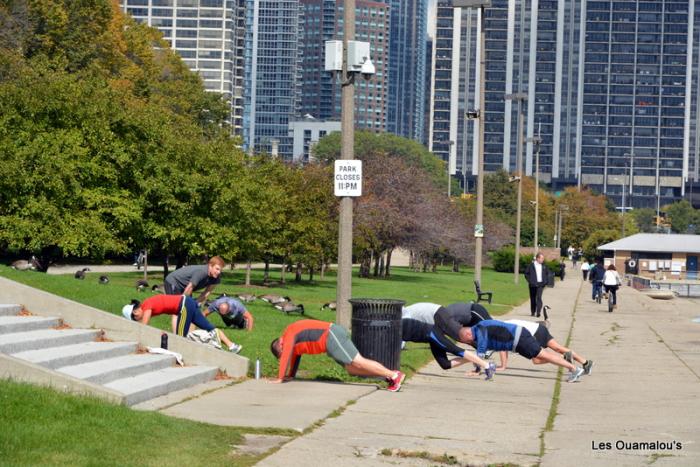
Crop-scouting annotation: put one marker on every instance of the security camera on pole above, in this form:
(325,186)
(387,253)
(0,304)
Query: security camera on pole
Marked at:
(349,57)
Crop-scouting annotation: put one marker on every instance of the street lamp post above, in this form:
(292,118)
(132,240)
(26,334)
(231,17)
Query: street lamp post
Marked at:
(344,279)
(519,97)
(537,141)
(479,113)
(449,175)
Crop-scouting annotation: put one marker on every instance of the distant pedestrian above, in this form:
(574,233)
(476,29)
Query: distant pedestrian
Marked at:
(611,282)
(585,267)
(537,276)
(596,276)
(562,273)
(185,281)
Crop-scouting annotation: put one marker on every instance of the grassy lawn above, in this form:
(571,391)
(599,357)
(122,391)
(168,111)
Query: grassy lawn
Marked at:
(443,287)
(43,427)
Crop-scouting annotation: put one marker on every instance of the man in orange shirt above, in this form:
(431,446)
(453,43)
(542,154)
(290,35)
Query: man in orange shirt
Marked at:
(308,336)
(184,311)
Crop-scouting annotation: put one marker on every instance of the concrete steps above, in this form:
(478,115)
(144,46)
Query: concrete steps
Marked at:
(149,385)
(10,324)
(84,355)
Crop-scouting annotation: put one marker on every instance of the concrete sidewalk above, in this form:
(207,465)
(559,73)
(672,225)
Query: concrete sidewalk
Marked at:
(643,390)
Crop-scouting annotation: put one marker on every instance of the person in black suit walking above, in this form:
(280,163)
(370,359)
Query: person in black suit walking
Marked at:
(537,276)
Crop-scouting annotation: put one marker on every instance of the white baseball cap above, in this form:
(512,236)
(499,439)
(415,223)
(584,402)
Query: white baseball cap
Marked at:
(127,310)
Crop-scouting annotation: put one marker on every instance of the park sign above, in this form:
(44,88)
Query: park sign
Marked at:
(347,180)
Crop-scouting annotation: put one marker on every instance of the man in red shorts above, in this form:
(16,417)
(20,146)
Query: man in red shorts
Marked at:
(184,311)
(308,336)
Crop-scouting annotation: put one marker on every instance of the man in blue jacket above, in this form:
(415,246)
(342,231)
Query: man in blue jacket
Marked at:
(596,275)
(497,335)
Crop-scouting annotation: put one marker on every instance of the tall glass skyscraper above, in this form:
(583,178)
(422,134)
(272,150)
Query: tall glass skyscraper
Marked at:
(208,35)
(320,95)
(611,88)
(407,72)
(271,74)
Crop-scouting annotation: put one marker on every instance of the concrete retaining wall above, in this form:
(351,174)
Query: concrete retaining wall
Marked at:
(117,328)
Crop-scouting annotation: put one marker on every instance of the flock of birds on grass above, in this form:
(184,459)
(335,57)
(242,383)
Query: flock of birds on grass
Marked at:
(282,303)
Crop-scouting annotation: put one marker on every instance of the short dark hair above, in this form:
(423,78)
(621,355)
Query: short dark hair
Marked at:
(273,348)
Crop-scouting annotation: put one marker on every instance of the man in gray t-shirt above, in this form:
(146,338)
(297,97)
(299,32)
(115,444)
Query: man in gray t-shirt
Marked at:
(185,281)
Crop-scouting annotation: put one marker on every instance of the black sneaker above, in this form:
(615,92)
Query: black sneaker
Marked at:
(588,367)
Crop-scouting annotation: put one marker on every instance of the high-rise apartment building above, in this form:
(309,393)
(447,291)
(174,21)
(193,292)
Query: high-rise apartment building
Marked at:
(271,74)
(208,35)
(406,71)
(612,89)
(322,20)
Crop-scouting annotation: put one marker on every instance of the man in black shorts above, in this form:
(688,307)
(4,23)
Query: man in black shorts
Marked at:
(413,330)
(541,334)
(497,335)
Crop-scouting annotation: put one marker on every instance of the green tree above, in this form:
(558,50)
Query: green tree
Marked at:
(644,219)
(600,237)
(682,216)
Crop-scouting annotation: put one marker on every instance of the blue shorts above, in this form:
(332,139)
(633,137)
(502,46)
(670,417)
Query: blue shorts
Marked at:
(191,314)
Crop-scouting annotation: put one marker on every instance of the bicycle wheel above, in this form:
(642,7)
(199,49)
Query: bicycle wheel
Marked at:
(610,302)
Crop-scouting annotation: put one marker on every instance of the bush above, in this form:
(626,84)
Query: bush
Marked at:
(504,258)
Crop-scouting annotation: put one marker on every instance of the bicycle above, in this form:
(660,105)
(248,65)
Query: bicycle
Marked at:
(610,302)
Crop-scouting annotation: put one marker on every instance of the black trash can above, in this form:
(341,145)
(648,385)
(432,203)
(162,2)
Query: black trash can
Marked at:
(376,329)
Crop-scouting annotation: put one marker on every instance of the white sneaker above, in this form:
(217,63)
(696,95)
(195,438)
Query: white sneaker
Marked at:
(575,375)
(235,348)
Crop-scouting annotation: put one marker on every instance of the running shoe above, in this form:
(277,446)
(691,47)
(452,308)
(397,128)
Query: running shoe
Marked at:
(488,354)
(569,356)
(396,382)
(235,348)
(575,375)
(490,371)
(588,367)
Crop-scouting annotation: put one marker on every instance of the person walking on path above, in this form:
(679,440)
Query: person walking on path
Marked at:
(413,330)
(308,336)
(184,311)
(497,335)
(596,276)
(611,282)
(585,267)
(232,311)
(189,279)
(541,334)
(537,276)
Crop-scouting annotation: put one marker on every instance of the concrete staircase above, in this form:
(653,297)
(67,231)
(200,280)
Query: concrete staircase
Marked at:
(85,354)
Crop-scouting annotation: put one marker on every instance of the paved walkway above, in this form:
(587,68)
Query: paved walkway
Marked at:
(644,389)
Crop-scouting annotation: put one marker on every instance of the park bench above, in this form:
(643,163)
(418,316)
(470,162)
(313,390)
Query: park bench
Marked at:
(479,294)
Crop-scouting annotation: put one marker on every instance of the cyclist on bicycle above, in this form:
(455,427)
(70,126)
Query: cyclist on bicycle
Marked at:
(611,282)
(596,276)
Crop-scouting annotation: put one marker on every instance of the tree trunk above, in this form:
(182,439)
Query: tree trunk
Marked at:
(266,274)
(248,267)
(387,272)
(283,271)
(455,265)
(166,266)
(297,275)
(381,265)
(311,273)
(365,263)
(323,269)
